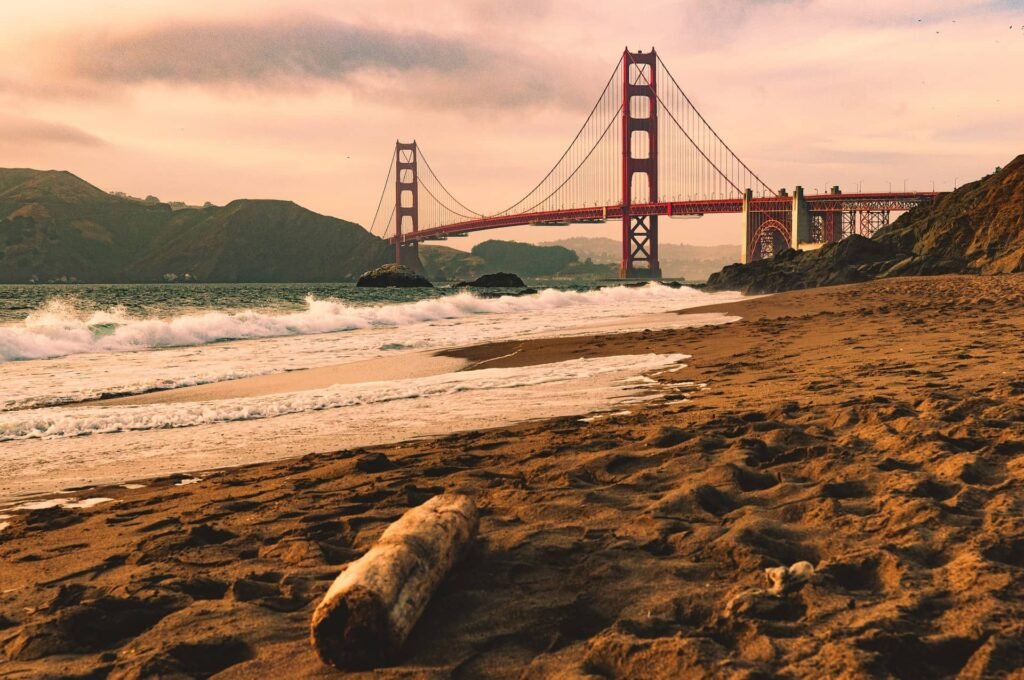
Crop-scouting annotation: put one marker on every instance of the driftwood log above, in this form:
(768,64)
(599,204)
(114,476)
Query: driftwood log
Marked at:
(370,608)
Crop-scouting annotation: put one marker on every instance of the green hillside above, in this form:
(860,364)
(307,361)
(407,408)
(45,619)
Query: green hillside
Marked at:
(525,259)
(57,227)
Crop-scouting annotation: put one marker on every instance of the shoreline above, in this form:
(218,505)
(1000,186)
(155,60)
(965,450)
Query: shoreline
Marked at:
(311,404)
(404,367)
(875,430)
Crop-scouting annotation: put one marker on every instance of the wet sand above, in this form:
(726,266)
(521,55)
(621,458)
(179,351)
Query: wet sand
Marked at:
(386,368)
(875,430)
(399,367)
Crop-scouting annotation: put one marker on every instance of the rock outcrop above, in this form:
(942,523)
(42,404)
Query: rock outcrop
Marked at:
(977,229)
(393,276)
(852,260)
(498,280)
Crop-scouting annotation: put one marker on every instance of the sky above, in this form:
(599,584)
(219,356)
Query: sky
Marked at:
(303,100)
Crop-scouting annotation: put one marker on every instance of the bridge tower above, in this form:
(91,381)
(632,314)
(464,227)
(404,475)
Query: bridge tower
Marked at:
(639,135)
(407,204)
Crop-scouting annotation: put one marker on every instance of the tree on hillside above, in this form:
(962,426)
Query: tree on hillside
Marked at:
(524,259)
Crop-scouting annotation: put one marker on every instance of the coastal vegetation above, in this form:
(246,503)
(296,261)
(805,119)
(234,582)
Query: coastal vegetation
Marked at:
(58,227)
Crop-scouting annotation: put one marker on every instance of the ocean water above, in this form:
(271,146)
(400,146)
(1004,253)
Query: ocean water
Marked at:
(65,348)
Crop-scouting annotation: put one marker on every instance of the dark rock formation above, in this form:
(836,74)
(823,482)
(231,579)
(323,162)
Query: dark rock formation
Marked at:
(392,276)
(499,280)
(977,229)
(852,260)
(507,293)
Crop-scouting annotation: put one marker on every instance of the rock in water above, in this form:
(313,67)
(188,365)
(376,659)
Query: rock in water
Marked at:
(499,280)
(393,276)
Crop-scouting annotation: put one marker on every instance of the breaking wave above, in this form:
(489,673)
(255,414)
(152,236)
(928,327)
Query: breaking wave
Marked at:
(61,328)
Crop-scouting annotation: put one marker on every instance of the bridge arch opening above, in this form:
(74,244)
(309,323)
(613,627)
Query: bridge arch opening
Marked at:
(769,240)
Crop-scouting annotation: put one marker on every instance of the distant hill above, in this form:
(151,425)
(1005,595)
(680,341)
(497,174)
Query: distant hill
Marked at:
(573,257)
(55,226)
(977,229)
(694,263)
(441,263)
(526,259)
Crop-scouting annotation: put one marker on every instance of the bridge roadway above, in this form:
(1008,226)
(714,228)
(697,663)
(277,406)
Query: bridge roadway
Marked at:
(650,132)
(816,203)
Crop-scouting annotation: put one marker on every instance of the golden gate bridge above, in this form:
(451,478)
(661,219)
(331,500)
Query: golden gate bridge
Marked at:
(644,152)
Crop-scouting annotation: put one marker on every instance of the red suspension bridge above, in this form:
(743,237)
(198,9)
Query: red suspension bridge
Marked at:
(643,153)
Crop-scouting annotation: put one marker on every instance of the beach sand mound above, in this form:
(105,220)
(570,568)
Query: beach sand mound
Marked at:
(855,428)
(977,229)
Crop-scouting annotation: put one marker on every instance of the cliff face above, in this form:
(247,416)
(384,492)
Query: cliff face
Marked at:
(977,229)
(55,226)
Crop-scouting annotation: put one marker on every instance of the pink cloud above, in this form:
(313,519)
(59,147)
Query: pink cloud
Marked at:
(304,99)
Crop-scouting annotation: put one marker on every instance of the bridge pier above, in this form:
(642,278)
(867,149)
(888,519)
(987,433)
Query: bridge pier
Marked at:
(639,125)
(408,254)
(809,228)
(640,244)
(801,219)
(407,203)
(748,196)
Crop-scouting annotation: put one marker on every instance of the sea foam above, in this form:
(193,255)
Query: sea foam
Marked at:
(58,422)
(60,328)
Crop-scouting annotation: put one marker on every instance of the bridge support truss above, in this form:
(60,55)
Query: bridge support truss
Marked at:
(699,175)
(639,115)
(767,226)
(830,226)
(873,220)
(833,217)
(407,204)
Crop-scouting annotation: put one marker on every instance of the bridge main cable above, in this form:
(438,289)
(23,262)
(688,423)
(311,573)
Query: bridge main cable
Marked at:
(597,105)
(721,141)
(450,195)
(711,163)
(384,191)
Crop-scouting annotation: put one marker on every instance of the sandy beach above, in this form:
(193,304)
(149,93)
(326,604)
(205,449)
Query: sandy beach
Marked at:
(416,366)
(874,430)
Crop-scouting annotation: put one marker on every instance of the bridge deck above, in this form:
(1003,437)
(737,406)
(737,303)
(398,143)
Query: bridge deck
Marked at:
(816,203)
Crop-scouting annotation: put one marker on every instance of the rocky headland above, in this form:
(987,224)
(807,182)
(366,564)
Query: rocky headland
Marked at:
(977,229)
